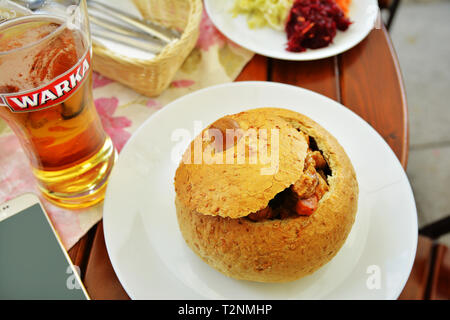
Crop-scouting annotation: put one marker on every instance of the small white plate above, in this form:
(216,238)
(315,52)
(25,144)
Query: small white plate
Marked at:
(272,43)
(151,258)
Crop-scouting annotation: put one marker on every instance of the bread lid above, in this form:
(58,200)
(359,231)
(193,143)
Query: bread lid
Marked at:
(208,182)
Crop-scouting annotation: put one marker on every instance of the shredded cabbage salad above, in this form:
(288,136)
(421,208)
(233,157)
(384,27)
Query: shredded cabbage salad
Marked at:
(261,13)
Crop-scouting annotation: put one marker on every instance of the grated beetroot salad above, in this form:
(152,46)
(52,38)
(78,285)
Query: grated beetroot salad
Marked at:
(313,23)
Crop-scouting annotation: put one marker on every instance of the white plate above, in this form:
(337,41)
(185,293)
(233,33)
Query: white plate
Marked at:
(272,43)
(151,258)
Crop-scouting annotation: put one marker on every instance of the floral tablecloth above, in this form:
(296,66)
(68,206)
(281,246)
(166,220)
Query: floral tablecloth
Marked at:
(214,60)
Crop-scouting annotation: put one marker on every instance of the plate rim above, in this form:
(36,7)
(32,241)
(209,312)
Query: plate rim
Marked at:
(300,55)
(170,105)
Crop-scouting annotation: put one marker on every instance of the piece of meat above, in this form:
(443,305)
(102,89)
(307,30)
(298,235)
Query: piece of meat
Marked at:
(262,214)
(317,157)
(305,187)
(322,187)
(322,174)
(306,207)
(311,187)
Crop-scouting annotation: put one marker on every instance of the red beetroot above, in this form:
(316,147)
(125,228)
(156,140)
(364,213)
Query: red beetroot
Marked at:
(313,23)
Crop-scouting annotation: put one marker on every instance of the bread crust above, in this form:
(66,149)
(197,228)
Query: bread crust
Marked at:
(218,189)
(278,250)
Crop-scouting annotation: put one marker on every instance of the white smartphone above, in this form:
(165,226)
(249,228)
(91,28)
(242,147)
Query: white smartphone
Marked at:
(33,261)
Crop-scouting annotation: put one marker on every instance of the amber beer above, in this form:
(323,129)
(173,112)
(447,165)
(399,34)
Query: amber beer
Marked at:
(46,99)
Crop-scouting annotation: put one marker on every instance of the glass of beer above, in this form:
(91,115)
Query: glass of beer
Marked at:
(46,99)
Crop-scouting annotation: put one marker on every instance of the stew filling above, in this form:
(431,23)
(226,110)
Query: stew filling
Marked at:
(302,197)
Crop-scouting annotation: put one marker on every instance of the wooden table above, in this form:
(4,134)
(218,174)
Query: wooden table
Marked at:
(366,79)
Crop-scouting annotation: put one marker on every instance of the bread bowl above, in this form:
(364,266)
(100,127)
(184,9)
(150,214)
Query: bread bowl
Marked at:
(253,224)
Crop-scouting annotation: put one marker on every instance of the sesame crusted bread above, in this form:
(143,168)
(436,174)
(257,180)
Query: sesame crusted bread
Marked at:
(214,200)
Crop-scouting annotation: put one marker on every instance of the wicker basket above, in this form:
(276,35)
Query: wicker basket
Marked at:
(151,77)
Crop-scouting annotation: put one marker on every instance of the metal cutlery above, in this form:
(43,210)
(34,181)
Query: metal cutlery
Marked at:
(153,29)
(109,23)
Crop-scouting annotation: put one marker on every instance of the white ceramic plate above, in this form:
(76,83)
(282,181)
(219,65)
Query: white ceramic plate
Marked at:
(272,43)
(151,258)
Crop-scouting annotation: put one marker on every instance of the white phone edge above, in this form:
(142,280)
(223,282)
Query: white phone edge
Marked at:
(24,201)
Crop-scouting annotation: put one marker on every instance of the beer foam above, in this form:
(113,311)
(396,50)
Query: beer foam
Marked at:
(36,65)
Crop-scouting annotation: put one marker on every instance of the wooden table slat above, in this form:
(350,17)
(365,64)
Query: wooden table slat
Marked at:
(416,286)
(100,279)
(255,70)
(371,86)
(440,282)
(318,76)
(79,253)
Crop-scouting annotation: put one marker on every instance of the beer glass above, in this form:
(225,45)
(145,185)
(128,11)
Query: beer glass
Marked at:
(46,99)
